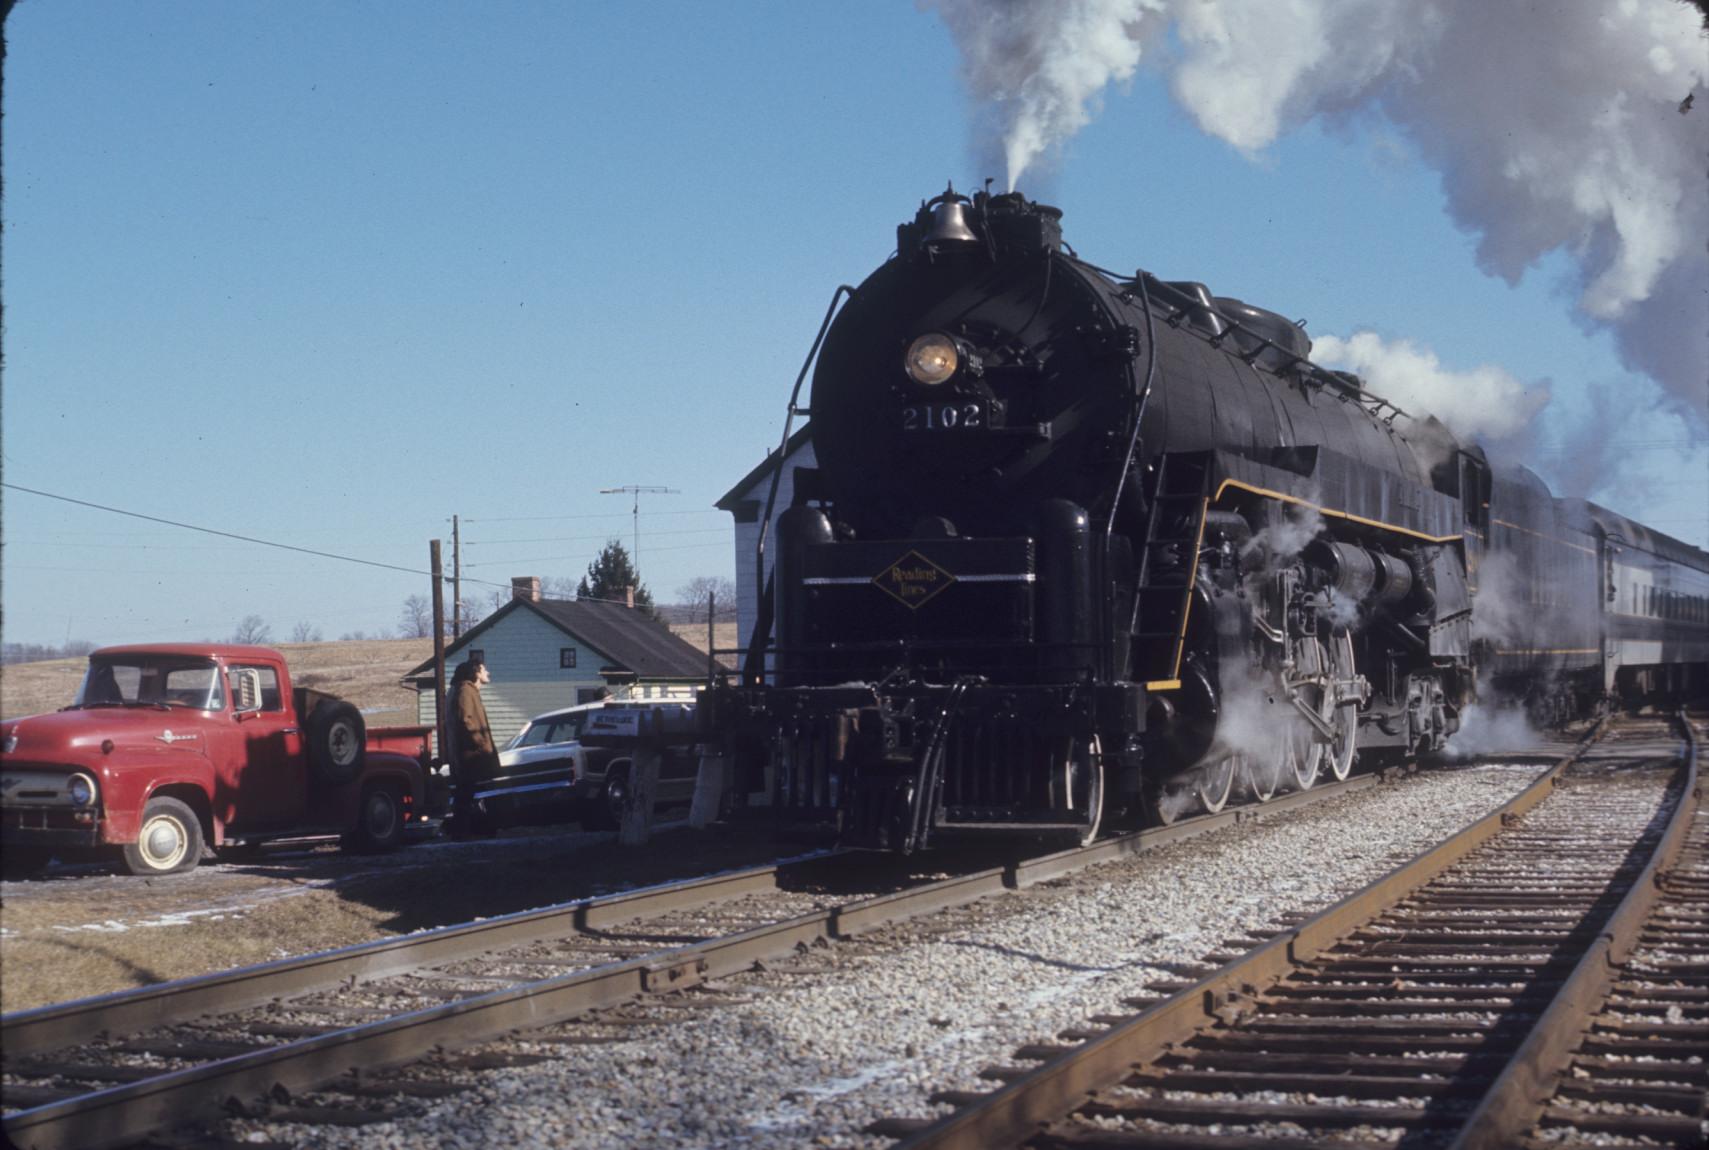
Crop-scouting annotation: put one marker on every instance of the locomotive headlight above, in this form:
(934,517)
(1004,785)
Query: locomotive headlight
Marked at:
(932,359)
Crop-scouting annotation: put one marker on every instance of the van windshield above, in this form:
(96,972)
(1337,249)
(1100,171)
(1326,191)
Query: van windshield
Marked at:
(152,681)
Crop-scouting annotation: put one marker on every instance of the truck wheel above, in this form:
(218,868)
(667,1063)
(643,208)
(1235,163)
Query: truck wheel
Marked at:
(170,840)
(605,810)
(380,821)
(337,747)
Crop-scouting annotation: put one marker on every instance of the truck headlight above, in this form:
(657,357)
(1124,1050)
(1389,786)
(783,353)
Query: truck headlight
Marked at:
(81,790)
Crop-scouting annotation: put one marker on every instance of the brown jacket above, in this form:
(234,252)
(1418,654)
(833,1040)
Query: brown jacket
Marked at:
(471,737)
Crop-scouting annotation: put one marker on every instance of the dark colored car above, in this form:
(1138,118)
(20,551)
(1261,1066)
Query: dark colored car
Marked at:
(546,773)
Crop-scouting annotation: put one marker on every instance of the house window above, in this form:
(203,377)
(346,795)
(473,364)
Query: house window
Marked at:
(566,657)
(476,655)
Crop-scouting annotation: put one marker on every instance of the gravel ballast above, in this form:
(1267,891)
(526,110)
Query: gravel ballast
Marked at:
(811,1059)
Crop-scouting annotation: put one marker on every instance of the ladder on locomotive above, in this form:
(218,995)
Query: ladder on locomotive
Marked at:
(1169,563)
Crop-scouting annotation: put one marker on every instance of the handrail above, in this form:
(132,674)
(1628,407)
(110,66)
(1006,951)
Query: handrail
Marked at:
(756,645)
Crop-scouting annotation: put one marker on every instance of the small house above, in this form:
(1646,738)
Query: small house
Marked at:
(544,654)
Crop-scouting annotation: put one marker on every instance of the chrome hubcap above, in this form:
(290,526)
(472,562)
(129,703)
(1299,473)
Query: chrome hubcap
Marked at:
(163,841)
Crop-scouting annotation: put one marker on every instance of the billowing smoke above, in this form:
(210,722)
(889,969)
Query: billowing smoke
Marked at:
(1565,127)
(1502,611)
(1278,544)
(1486,728)
(1040,67)
(1485,403)
(1254,717)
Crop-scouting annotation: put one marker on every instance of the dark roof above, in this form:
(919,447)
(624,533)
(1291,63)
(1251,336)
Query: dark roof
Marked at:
(631,639)
(734,496)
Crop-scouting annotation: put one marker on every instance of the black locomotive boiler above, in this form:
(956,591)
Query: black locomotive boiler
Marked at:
(1080,545)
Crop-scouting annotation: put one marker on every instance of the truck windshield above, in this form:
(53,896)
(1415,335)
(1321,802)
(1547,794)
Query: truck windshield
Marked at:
(151,681)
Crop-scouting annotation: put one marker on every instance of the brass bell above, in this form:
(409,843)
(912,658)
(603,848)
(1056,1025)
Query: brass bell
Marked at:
(949,224)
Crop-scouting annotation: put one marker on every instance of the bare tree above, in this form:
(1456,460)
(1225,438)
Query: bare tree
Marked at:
(690,605)
(305,632)
(557,587)
(472,613)
(252,629)
(415,621)
(36,652)
(696,591)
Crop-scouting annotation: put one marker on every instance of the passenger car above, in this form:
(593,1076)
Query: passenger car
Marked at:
(546,774)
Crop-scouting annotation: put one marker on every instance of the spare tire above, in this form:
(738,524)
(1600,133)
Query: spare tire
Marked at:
(337,742)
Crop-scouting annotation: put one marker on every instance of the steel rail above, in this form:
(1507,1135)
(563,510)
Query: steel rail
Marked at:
(123,1114)
(67,1024)
(1516,1100)
(1019,1109)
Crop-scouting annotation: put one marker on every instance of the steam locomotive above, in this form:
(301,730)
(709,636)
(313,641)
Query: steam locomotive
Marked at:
(1082,546)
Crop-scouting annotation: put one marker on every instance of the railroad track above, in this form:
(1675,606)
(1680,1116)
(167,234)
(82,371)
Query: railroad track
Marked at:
(1637,1069)
(112,1070)
(1441,1005)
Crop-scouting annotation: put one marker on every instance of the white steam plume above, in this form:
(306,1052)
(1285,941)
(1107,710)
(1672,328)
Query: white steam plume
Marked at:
(1487,728)
(1041,65)
(1279,544)
(1484,403)
(1578,126)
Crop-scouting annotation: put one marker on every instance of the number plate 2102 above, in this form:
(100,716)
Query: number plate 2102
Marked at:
(957,416)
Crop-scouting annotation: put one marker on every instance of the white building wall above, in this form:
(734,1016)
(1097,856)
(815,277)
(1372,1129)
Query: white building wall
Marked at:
(748,583)
(522,655)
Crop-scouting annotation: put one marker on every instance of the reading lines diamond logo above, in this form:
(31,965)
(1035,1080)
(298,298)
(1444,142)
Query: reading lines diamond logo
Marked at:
(913,580)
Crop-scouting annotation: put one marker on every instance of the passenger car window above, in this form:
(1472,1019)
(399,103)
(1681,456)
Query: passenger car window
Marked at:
(532,735)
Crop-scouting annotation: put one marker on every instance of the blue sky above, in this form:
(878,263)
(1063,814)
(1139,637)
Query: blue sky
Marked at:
(328,274)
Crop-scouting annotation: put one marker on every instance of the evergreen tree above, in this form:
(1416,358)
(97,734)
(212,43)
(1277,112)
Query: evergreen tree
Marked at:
(611,575)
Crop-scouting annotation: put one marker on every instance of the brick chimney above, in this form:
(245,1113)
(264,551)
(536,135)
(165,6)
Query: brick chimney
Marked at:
(526,588)
(629,596)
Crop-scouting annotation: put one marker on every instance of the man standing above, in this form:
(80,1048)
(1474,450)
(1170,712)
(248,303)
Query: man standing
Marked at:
(473,756)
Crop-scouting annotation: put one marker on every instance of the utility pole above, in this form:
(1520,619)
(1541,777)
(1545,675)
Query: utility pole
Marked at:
(456,582)
(438,574)
(638,490)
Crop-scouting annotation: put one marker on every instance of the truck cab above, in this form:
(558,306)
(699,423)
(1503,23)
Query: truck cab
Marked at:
(168,748)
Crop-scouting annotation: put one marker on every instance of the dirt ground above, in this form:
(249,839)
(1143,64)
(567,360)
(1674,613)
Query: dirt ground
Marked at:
(86,930)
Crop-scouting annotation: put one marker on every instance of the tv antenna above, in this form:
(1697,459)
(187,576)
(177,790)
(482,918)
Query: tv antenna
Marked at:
(638,490)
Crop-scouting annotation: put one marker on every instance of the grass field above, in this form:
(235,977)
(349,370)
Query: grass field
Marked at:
(368,672)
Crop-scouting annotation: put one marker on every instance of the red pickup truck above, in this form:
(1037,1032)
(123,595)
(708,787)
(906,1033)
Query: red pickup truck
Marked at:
(172,747)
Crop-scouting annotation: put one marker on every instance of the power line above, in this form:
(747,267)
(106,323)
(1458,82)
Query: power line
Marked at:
(578,557)
(594,538)
(605,515)
(223,534)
